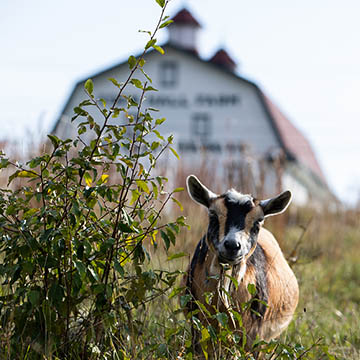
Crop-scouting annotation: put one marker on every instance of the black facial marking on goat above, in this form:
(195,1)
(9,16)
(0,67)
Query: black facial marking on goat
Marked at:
(258,261)
(236,213)
(214,227)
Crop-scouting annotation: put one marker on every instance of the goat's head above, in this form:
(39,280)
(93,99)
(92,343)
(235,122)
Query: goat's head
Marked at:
(234,219)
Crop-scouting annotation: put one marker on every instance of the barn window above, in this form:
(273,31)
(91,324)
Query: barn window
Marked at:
(201,125)
(169,73)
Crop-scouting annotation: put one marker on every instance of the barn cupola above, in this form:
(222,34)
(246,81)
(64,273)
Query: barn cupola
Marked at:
(183,31)
(223,59)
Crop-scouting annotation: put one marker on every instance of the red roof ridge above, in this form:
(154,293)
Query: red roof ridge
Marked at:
(222,58)
(293,139)
(184,17)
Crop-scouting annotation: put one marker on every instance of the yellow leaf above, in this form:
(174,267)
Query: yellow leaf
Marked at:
(135,195)
(141,169)
(205,336)
(143,186)
(104,178)
(30,212)
(27,174)
(178,203)
(88,179)
(153,237)
(175,153)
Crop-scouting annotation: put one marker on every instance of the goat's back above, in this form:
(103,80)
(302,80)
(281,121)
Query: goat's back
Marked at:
(282,287)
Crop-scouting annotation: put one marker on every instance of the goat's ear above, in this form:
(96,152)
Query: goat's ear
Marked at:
(199,192)
(276,205)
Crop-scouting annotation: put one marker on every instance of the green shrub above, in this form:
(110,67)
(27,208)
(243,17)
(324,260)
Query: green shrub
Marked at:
(72,237)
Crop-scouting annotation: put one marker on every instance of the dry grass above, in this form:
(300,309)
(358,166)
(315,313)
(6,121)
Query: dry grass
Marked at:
(323,249)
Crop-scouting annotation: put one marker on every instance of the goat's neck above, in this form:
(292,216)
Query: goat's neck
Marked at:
(226,273)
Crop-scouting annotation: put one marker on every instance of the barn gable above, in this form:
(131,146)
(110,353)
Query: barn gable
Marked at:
(207,105)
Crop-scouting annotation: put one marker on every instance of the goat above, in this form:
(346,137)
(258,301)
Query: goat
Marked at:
(237,249)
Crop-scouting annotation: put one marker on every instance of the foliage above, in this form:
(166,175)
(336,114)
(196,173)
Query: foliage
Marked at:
(72,237)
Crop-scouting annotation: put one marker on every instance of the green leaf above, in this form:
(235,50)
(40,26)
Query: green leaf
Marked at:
(158,135)
(222,319)
(184,299)
(27,174)
(30,212)
(252,289)
(89,86)
(88,179)
(205,336)
(119,268)
(93,273)
(115,82)
(137,83)
(55,140)
(176,291)
(132,61)
(81,129)
(103,101)
(178,203)
(166,23)
(125,228)
(159,49)
(150,88)
(212,332)
(166,239)
(161,2)
(80,268)
(104,179)
(146,75)
(155,145)
(234,281)
(56,293)
(134,196)
(34,297)
(143,186)
(176,256)
(155,189)
(4,163)
(175,153)
(179,189)
(159,121)
(150,43)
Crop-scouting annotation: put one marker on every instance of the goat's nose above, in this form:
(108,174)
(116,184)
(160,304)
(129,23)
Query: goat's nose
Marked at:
(231,245)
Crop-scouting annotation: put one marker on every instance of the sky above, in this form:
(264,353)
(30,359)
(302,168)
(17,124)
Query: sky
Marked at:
(304,54)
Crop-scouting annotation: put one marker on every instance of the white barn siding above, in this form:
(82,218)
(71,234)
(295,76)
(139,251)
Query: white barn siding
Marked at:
(230,112)
(236,115)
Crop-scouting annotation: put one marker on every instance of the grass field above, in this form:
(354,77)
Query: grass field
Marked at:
(323,250)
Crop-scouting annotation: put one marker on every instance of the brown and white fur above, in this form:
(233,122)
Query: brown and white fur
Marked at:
(236,245)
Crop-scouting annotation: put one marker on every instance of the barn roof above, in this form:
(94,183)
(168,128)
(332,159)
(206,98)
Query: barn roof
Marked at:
(293,140)
(222,58)
(184,17)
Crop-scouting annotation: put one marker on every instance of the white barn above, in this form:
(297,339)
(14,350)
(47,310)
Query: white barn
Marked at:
(210,108)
